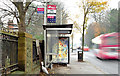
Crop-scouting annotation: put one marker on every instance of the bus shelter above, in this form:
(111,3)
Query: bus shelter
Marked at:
(57,43)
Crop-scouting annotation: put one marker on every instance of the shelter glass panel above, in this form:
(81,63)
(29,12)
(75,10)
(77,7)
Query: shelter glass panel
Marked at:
(52,41)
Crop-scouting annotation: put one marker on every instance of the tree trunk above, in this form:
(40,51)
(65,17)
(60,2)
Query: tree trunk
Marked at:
(83,34)
(82,42)
(22,12)
(22,27)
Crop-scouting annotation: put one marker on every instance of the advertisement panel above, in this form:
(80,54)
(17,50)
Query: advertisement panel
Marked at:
(63,51)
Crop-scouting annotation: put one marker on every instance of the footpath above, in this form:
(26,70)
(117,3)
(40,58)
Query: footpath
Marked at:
(76,67)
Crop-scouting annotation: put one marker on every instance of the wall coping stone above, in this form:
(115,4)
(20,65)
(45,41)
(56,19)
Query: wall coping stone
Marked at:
(24,34)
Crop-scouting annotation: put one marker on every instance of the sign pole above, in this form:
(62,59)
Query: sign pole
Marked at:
(45,23)
(45,13)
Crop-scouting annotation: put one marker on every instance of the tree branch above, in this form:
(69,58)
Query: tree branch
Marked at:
(31,17)
(15,4)
(8,6)
(6,15)
(6,10)
(27,6)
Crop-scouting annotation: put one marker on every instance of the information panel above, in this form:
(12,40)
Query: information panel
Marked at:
(51,13)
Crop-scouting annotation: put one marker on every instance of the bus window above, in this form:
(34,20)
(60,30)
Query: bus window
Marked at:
(111,40)
(96,46)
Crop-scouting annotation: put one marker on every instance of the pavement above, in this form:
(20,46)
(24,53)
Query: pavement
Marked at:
(76,67)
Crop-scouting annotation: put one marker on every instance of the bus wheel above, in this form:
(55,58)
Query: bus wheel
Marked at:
(99,58)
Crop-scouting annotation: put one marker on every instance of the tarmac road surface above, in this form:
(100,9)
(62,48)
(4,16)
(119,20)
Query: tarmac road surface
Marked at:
(108,66)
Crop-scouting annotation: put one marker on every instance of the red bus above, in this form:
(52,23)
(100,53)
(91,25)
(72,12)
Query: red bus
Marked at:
(107,46)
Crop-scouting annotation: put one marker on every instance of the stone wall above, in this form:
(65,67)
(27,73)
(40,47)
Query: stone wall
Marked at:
(25,54)
(29,56)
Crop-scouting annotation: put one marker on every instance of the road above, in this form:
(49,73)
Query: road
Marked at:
(107,66)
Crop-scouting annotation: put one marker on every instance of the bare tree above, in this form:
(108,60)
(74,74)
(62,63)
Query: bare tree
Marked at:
(18,12)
